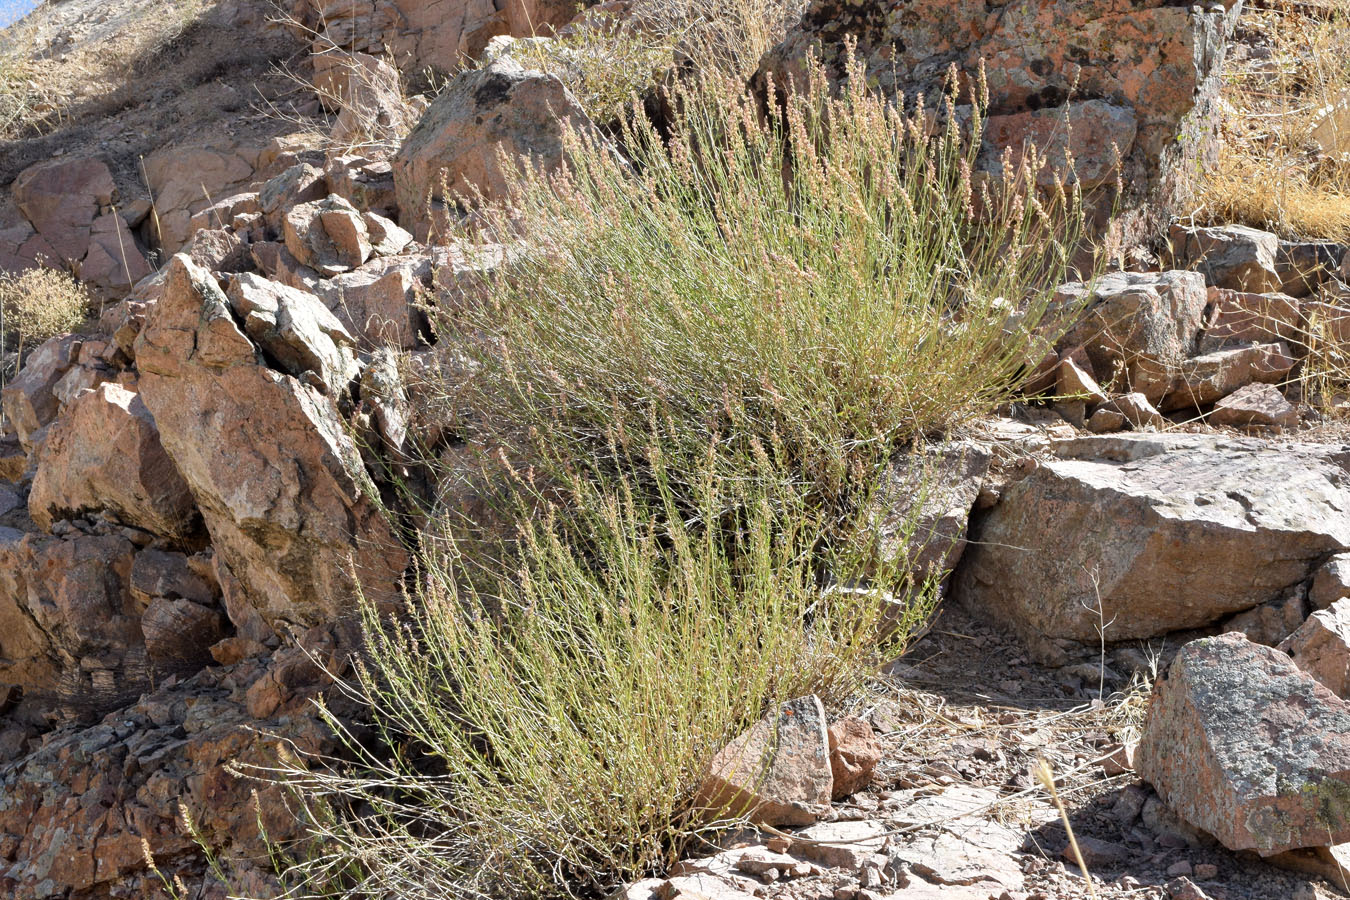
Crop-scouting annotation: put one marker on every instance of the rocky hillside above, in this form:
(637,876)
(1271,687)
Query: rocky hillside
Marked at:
(1142,549)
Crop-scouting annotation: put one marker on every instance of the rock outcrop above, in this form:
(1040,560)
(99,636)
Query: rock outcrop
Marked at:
(1139,80)
(277,479)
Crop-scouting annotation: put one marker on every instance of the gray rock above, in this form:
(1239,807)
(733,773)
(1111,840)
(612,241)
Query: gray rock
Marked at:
(1246,747)
(296,329)
(1140,535)
(1230,256)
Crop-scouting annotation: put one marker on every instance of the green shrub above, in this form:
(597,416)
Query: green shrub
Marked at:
(701,358)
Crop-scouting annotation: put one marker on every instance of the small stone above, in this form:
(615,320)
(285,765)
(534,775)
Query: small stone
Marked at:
(1097,853)
(1259,405)
(1206,871)
(1184,889)
(1179,868)
(854,754)
(1321,647)
(1136,410)
(1331,582)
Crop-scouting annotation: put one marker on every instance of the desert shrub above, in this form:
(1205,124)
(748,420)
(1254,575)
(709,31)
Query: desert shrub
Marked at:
(1283,166)
(820,283)
(38,304)
(552,737)
(697,363)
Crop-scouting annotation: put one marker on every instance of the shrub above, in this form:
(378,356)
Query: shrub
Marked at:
(551,737)
(38,304)
(702,356)
(820,283)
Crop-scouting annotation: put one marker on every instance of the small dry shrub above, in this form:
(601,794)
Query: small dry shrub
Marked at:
(39,304)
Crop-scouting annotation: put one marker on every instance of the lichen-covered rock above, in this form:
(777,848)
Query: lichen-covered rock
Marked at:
(276,477)
(1139,535)
(1245,746)
(1151,67)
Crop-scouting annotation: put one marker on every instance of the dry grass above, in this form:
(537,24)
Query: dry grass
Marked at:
(1283,167)
(39,304)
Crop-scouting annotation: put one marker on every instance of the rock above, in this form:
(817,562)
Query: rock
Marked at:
(841,845)
(1206,379)
(921,508)
(1230,256)
(1242,318)
(1261,405)
(1331,582)
(1127,409)
(180,631)
(186,180)
(386,238)
(455,151)
(276,477)
(218,250)
(1248,748)
(29,399)
(366,184)
(61,198)
(300,184)
(104,455)
(1097,853)
(113,262)
(377,303)
(778,772)
(296,330)
(160,573)
(854,754)
(1131,324)
(1184,889)
(327,235)
(1072,381)
(75,812)
(65,613)
(423,33)
(1321,647)
(1305,265)
(1331,863)
(1101,535)
(1145,77)
(372,115)
(1270,623)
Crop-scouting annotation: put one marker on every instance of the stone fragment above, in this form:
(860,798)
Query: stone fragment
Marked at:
(301,183)
(386,238)
(1270,623)
(1331,582)
(1259,405)
(921,508)
(1131,324)
(218,250)
(29,399)
(1104,421)
(841,845)
(1230,256)
(778,772)
(184,181)
(1207,379)
(327,235)
(1097,853)
(113,261)
(162,573)
(180,631)
(1305,265)
(1242,318)
(1100,537)
(296,330)
(1072,381)
(1133,408)
(1248,748)
(455,152)
(377,303)
(367,184)
(104,455)
(854,754)
(275,475)
(1321,647)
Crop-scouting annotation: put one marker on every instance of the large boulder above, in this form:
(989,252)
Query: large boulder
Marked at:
(61,198)
(277,478)
(1134,536)
(456,150)
(104,455)
(30,401)
(1244,746)
(1139,80)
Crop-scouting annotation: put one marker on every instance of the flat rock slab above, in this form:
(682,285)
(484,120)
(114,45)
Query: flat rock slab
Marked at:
(1139,535)
(1245,746)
